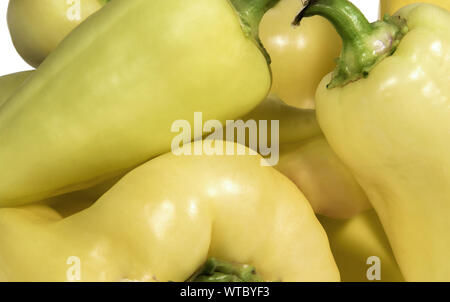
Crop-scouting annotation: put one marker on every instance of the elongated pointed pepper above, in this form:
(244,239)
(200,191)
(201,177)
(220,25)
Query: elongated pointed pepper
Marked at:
(37,27)
(163,220)
(385,111)
(305,158)
(105,100)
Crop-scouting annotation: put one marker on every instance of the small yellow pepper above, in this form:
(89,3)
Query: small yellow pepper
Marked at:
(37,27)
(301,57)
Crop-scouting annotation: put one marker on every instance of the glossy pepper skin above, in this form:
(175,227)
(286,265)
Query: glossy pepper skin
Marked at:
(392,129)
(37,27)
(301,56)
(307,159)
(353,241)
(223,206)
(104,101)
(391,6)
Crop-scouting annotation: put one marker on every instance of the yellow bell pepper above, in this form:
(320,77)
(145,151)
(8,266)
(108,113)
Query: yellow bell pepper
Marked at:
(307,159)
(165,218)
(354,242)
(105,100)
(386,115)
(301,57)
(37,27)
(391,6)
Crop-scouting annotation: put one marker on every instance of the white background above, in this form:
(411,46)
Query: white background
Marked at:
(11,62)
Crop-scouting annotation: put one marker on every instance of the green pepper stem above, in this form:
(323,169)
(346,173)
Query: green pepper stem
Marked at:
(221,271)
(251,13)
(364,44)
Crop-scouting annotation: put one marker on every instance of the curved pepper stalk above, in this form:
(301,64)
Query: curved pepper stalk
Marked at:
(251,13)
(364,44)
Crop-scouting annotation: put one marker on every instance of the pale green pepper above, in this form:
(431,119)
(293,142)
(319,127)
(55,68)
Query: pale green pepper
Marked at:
(104,101)
(385,112)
